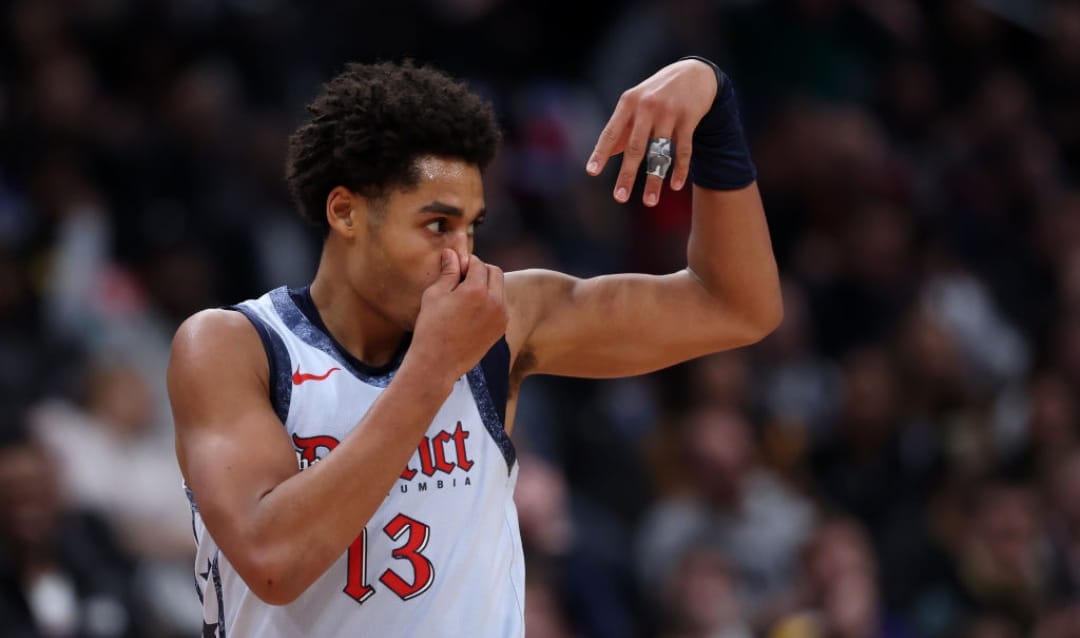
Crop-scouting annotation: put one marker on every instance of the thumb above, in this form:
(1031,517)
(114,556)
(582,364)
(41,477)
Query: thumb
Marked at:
(450,270)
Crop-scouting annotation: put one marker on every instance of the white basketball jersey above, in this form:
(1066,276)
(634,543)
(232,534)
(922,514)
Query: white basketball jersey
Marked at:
(440,557)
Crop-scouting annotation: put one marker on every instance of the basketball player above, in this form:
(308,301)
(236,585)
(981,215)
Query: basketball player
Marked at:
(345,446)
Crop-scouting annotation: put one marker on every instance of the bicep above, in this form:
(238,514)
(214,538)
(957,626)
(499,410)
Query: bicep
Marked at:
(230,444)
(615,325)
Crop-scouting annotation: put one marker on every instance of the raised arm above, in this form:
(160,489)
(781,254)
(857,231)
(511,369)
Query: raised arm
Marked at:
(241,466)
(729,294)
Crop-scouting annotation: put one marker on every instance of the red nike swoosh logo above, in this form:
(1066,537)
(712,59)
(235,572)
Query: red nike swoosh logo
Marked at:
(300,377)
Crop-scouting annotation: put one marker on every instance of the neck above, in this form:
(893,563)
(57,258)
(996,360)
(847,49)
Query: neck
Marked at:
(358,325)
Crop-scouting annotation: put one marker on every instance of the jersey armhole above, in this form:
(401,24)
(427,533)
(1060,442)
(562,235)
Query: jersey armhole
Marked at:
(277,358)
(490,383)
(496,368)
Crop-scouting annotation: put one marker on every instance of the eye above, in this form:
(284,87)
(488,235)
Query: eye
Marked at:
(437,226)
(476,224)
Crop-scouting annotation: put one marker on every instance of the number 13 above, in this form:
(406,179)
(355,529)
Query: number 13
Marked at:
(356,586)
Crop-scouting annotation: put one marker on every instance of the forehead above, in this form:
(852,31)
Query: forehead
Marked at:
(451,181)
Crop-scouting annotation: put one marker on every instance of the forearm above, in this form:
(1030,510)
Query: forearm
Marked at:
(730,253)
(729,248)
(303,525)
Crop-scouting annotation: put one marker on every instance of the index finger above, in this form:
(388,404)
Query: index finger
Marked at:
(609,138)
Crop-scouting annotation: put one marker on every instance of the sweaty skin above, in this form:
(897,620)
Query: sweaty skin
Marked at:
(406,265)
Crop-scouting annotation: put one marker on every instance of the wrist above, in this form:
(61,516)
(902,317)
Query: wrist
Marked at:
(427,372)
(712,66)
(721,156)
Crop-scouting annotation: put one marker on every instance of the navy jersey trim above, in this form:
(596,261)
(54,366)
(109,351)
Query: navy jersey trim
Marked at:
(496,367)
(300,316)
(195,535)
(490,381)
(191,499)
(277,356)
(216,573)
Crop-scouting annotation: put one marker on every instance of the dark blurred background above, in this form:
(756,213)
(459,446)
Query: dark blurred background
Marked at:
(900,459)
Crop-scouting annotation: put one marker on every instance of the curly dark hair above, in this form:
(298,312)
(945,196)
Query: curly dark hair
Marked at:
(370,124)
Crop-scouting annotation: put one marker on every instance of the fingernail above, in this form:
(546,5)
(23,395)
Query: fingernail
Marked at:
(593,166)
(676,184)
(621,194)
(650,199)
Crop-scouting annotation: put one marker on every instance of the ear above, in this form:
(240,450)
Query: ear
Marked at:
(343,211)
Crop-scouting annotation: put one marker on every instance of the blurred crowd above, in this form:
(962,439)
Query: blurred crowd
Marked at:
(900,459)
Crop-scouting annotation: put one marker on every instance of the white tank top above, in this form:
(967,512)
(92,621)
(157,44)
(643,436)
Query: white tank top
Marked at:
(442,554)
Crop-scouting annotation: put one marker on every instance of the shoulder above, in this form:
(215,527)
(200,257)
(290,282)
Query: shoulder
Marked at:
(532,295)
(225,332)
(224,341)
(531,288)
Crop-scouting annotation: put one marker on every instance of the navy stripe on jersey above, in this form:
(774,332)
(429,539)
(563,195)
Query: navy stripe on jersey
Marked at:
(312,331)
(496,367)
(216,573)
(302,298)
(492,408)
(191,499)
(277,356)
(197,575)
(195,535)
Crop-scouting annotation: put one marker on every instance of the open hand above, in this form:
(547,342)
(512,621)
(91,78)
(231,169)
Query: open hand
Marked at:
(668,104)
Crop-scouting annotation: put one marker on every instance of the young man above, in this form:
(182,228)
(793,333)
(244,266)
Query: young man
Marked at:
(345,446)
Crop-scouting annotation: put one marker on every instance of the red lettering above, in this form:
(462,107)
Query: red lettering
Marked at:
(425,457)
(356,586)
(438,445)
(434,456)
(416,539)
(459,444)
(415,542)
(309,445)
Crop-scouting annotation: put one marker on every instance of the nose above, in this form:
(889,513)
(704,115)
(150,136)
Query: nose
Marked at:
(461,242)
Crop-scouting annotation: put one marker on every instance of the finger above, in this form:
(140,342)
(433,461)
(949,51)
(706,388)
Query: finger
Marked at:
(495,284)
(653,183)
(635,150)
(684,147)
(610,138)
(449,271)
(620,145)
(477,276)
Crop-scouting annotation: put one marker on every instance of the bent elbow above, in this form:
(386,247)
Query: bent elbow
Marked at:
(768,313)
(271,582)
(770,318)
(273,593)
(755,326)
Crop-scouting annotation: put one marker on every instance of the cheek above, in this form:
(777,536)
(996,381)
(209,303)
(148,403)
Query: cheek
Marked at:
(430,268)
(398,267)
(410,278)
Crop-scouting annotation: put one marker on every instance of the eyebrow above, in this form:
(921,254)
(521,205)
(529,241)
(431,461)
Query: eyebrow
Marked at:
(447,209)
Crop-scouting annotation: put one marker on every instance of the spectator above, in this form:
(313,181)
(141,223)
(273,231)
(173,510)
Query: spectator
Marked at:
(733,503)
(839,589)
(700,598)
(61,574)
